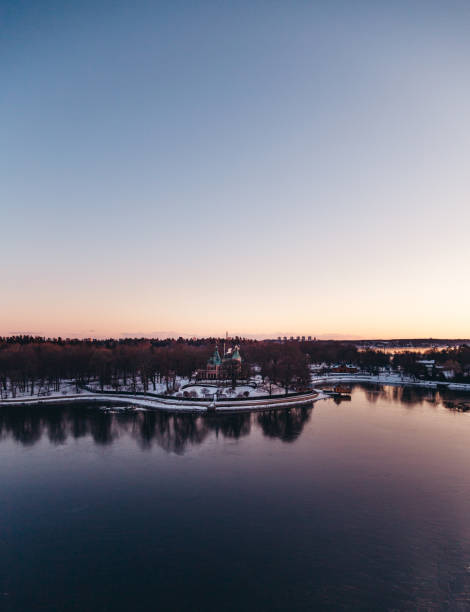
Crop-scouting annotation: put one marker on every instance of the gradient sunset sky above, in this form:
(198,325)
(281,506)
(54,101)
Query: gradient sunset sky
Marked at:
(257,167)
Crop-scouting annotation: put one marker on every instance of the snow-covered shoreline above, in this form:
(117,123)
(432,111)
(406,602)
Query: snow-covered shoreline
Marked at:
(172,405)
(387,379)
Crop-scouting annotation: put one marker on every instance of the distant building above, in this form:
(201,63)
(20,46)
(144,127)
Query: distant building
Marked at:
(428,364)
(449,369)
(344,369)
(222,367)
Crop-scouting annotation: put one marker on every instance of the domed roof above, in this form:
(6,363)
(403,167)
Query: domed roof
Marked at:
(215,359)
(236,354)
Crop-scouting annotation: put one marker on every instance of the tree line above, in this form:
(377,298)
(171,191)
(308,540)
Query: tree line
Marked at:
(36,365)
(39,366)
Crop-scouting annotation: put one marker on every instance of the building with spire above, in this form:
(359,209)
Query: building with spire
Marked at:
(222,367)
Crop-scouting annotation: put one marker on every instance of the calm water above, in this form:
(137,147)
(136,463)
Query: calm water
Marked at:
(361,505)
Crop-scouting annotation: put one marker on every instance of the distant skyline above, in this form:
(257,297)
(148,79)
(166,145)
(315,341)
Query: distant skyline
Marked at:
(162,335)
(176,334)
(251,166)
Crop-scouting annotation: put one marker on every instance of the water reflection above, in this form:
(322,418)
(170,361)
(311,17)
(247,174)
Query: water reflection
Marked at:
(177,433)
(173,433)
(318,505)
(286,425)
(411,396)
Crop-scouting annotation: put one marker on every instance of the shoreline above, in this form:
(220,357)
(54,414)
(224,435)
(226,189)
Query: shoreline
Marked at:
(388,379)
(249,405)
(177,406)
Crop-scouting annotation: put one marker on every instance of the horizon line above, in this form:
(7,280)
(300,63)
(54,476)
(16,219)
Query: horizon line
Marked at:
(257,337)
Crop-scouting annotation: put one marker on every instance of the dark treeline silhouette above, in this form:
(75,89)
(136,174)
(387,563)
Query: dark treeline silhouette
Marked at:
(456,360)
(39,366)
(36,366)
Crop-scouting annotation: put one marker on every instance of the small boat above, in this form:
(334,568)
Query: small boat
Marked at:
(342,391)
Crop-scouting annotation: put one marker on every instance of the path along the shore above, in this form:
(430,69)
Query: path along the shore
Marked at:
(173,405)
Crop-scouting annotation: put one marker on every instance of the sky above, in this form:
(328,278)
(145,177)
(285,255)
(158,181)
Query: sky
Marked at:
(261,168)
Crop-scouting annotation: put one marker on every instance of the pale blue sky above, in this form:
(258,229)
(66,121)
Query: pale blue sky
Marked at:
(252,166)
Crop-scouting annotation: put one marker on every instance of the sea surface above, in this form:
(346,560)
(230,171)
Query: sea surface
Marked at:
(350,505)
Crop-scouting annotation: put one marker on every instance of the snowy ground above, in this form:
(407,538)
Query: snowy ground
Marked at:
(67,387)
(170,404)
(186,388)
(207,391)
(203,391)
(386,379)
(159,388)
